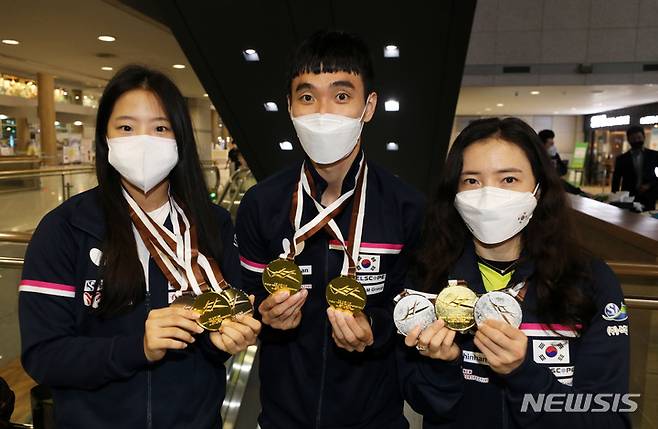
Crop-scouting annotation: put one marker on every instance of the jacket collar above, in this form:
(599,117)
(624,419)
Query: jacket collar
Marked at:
(348,182)
(88,214)
(467,269)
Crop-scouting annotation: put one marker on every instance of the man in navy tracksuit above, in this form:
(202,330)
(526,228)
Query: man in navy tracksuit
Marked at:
(96,368)
(466,393)
(321,368)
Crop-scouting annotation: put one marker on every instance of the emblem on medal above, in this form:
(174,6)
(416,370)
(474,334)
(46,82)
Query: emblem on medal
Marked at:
(455,305)
(498,305)
(411,311)
(282,274)
(346,294)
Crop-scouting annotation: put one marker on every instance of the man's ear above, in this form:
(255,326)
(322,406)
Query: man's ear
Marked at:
(371,105)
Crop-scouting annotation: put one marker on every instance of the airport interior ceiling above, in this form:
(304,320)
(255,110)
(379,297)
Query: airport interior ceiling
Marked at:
(432,38)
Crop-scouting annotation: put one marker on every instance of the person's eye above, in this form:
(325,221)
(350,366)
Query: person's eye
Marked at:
(306,98)
(342,97)
(125,128)
(161,129)
(470,181)
(510,180)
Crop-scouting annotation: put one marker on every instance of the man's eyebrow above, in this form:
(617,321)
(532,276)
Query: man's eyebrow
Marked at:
(304,86)
(343,83)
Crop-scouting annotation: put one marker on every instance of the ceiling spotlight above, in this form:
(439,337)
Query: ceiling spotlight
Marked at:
(3,117)
(487,109)
(179,66)
(250,55)
(10,42)
(285,145)
(107,68)
(271,106)
(392,105)
(500,105)
(77,123)
(391,51)
(535,92)
(106,38)
(392,147)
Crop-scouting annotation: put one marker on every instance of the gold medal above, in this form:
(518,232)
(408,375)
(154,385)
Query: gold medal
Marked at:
(282,274)
(455,306)
(185,301)
(346,294)
(238,302)
(213,308)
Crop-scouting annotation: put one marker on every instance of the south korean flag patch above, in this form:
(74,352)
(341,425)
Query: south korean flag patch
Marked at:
(550,351)
(368,264)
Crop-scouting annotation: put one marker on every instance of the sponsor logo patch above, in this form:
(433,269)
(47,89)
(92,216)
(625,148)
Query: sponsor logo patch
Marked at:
(468,375)
(373,289)
(613,312)
(92,294)
(369,279)
(475,357)
(306,270)
(614,331)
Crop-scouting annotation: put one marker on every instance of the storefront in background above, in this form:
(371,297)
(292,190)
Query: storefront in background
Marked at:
(606,136)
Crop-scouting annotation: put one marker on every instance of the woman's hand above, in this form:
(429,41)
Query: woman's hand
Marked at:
(236,335)
(503,345)
(169,328)
(436,341)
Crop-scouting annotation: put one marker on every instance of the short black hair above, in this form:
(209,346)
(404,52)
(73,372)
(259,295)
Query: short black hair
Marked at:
(545,135)
(634,129)
(331,52)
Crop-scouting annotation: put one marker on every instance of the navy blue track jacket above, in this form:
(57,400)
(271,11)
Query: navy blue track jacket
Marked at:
(306,380)
(468,394)
(96,368)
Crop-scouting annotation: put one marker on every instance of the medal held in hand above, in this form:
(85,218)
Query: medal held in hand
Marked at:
(346,294)
(455,306)
(238,302)
(282,274)
(498,305)
(213,308)
(411,311)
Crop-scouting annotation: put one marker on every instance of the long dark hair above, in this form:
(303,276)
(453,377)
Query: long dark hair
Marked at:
(121,271)
(550,239)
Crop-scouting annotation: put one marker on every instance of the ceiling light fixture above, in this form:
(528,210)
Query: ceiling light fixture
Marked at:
(10,42)
(392,105)
(77,123)
(285,145)
(179,66)
(107,68)
(500,105)
(392,147)
(391,51)
(535,92)
(106,38)
(250,55)
(271,106)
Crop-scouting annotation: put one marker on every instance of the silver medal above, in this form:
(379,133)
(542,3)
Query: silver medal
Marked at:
(498,306)
(412,311)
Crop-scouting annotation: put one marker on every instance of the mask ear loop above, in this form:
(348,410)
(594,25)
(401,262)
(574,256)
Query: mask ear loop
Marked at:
(364,109)
(534,193)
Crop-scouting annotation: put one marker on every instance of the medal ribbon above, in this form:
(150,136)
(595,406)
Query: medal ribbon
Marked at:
(176,253)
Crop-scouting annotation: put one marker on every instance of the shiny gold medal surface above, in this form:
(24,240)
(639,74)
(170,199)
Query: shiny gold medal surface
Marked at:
(213,308)
(346,294)
(282,274)
(455,306)
(238,301)
(185,301)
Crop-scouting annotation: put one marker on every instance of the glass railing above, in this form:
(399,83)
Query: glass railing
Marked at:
(27,195)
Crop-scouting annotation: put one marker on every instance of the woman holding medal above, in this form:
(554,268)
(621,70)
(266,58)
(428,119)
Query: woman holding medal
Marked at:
(103,268)
(523,313)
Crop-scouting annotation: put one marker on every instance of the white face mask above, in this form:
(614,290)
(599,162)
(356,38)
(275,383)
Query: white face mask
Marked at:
(493,214)
(143,160)
(326,137)
(552,151)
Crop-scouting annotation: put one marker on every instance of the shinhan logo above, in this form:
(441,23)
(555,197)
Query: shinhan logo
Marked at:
(580,402)
(613,313)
